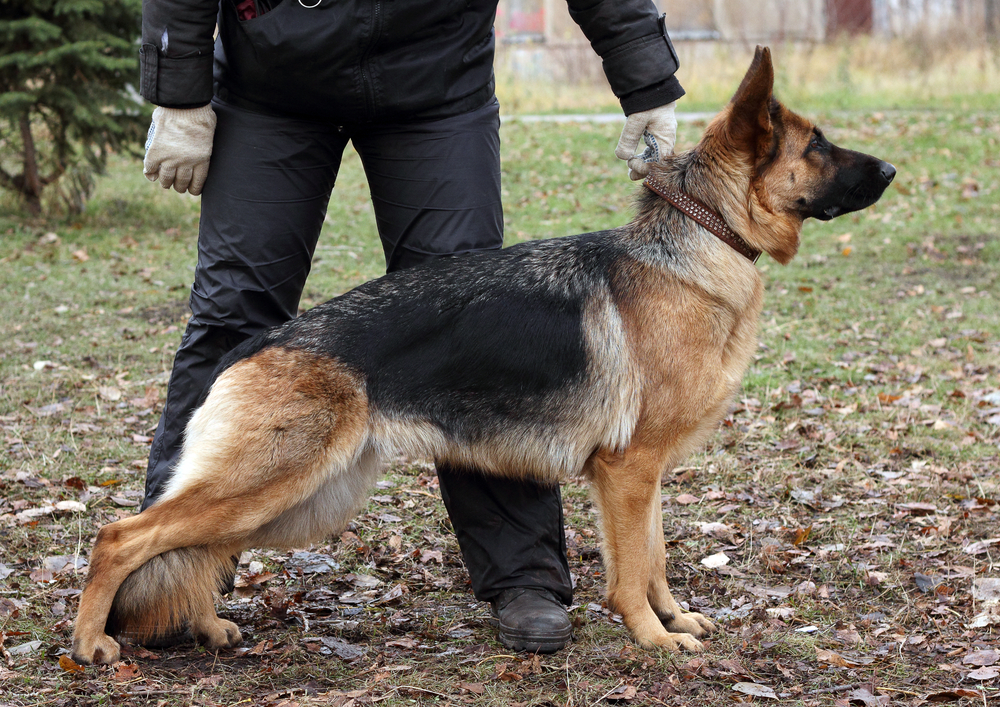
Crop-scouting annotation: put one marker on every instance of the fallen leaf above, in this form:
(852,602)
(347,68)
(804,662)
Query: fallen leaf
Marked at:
(431,556)
(393,594)
(622,692)
(476,688)
(59,563)
(342,649)
(362,581)
(70,665)
(10,608)
(25,648)
(755,690)
(917,509)
(261,648)
(982,658)
(719,531)
(127,671)
(781,612)
(925,583)
(686,499)
(801,535)
(42,576)
(986,589)
(29,514)
(989,617)
(71,506)
(986,673)
(833,658)
(109,393)
(719,559)
(863,696)
(978,548)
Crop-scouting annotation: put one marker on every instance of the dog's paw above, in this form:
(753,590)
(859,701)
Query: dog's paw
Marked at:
(690,622)
(219,634)
(672,642)
(104,649)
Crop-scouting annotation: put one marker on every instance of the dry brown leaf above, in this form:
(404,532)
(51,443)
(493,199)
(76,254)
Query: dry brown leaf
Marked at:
(982,658)
(476,688)
(126,672)
(70,665)
(622,693)
(987,673)
(836,659)
(801,535)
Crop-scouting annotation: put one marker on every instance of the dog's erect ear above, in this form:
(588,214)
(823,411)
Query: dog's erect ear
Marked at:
(749,115)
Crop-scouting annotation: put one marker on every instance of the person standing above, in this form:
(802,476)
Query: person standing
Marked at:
(256,122)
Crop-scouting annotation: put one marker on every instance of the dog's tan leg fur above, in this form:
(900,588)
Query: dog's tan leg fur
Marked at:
(625,486)
(661,600)
(272,434)
(125,546)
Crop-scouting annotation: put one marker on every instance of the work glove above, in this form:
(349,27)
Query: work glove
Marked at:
(178,147)
(658,129)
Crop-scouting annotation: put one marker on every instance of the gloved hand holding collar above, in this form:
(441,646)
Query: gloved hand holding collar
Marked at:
(179,146)
(658,129)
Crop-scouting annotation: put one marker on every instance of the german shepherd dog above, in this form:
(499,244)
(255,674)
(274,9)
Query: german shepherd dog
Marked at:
(607,356)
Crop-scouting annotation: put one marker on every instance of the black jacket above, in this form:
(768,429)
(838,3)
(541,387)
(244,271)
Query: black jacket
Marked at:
(356,61)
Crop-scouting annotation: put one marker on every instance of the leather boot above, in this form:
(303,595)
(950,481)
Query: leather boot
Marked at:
(532,619)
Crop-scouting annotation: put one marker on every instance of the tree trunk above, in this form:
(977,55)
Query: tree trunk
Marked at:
(30,184)
(992,19)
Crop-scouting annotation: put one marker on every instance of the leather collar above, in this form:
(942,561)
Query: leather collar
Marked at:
(705,216)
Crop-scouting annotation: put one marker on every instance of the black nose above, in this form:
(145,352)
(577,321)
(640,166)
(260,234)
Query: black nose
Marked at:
(887,172)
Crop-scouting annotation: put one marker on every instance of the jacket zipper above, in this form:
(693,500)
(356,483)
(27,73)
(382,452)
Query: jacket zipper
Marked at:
(367,85)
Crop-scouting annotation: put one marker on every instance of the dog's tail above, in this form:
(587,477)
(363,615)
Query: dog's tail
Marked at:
(155,603)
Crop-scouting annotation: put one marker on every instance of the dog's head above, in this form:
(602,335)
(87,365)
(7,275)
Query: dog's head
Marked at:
(784,166)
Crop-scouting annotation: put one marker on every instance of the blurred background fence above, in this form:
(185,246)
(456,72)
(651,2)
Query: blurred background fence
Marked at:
(537,40)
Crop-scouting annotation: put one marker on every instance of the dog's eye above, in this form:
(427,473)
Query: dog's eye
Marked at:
(818,142)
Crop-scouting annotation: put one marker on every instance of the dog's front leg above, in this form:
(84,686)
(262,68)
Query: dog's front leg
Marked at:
(666,608)
(625,486)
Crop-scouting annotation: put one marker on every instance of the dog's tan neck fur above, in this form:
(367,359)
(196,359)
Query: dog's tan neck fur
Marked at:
(727,182)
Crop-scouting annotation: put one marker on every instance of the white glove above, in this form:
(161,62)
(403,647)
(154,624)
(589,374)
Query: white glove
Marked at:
(658,129)
(178,147)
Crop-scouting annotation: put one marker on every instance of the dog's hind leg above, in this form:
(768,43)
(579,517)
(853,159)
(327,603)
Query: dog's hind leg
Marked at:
(127,546)
(624,486)
(674,618)
(272,434)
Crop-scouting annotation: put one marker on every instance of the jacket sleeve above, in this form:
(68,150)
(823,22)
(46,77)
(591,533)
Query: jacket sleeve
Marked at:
(176,55)
(631,39)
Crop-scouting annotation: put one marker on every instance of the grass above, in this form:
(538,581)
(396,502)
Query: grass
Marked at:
(875,390)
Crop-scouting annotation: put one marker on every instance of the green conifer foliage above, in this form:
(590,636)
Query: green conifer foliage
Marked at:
(67,68)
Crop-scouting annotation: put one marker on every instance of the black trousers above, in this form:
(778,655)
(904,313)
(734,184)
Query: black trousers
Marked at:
(435,188)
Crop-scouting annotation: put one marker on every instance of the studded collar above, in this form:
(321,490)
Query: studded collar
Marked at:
(705,216)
